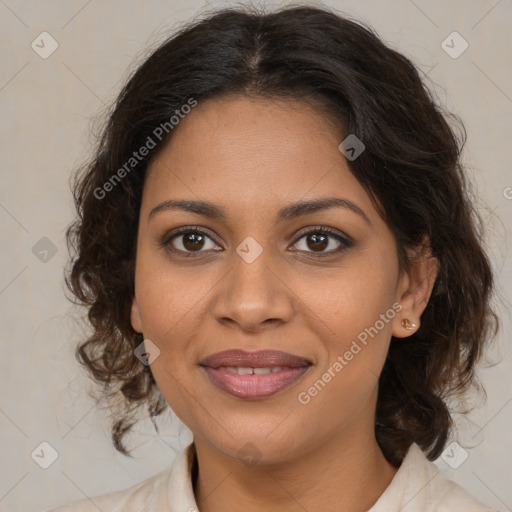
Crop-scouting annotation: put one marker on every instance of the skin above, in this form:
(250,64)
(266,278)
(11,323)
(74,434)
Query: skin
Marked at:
(251,158)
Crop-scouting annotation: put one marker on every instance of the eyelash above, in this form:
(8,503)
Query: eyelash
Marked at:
(345,243)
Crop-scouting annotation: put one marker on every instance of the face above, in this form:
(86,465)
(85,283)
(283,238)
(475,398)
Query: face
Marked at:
(256,272)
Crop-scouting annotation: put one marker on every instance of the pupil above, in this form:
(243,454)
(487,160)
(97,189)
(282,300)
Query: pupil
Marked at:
(320,240)
(193,241)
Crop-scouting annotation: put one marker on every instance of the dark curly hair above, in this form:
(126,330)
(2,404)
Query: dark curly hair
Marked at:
(411,168)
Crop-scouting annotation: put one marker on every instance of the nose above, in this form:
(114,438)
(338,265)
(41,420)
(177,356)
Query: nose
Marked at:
(254,295)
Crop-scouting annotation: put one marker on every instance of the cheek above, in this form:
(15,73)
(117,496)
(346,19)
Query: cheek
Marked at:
(354,316)
(351,300)
(354,323)
(168,302)
(169,298)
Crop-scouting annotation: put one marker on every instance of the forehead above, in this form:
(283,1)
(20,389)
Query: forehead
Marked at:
(253,152)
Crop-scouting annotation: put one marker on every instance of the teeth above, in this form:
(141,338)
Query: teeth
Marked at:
(240,370)
(261,371)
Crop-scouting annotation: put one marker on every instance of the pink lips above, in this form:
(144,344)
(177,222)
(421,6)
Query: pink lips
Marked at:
(274,371)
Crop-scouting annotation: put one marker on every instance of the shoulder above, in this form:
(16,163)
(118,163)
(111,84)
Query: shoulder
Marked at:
(456,498)
(419,486)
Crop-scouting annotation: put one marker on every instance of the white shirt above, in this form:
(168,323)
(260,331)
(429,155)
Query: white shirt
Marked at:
(417,486)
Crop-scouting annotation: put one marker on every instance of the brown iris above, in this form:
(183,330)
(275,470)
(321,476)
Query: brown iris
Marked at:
(193,241)
(319,242)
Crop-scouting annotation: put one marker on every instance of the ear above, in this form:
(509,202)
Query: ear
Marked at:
(414,289)
(135,316)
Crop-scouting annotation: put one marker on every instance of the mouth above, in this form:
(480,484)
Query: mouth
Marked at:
(254,375)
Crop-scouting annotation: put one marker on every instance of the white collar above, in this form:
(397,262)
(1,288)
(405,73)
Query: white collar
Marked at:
(418,486)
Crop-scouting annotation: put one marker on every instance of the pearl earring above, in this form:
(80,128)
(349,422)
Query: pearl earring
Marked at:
(407,324)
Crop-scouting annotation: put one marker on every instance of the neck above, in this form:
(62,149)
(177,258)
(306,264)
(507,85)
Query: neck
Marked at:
(335,475)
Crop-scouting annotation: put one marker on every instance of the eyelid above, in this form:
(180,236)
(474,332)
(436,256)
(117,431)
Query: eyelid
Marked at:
(166,239)
(341,237)
(345,242)
(323,229)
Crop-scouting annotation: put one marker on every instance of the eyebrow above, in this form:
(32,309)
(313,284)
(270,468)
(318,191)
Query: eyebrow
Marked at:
(288,212)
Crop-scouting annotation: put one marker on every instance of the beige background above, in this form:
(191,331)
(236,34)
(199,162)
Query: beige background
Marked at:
(46,107)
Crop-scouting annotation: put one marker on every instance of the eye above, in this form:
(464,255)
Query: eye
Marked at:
(192,240)
(320,239)
(189,240)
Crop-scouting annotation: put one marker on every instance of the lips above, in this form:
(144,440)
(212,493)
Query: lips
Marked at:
(254,375)
(260,359)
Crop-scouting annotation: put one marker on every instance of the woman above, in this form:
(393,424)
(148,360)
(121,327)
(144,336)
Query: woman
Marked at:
(276,240)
